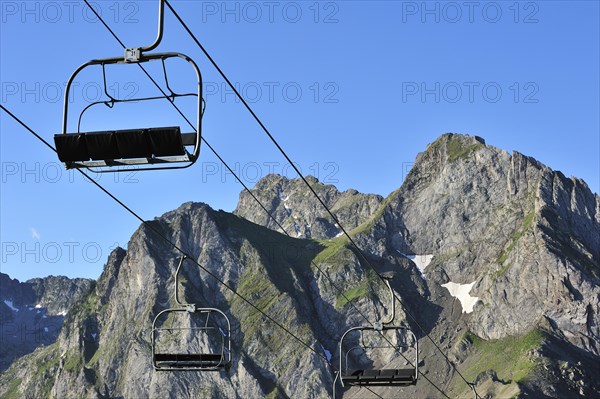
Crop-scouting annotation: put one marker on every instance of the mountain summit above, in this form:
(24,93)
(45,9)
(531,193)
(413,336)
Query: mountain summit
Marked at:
(496,259)
(299,212)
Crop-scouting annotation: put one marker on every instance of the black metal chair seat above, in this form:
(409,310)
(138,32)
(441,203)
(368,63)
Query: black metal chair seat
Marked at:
(121,144)
(189,360)
(383,377)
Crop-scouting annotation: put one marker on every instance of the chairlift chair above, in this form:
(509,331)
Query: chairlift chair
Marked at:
(217,330)
(144,148)
(375,376)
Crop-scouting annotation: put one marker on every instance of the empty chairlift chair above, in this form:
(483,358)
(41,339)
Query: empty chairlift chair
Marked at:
(188,337)
(354,343)
(377,376)
(144,148)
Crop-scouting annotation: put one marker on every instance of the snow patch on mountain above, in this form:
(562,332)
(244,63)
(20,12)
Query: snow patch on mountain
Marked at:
(10,304)
(461,292)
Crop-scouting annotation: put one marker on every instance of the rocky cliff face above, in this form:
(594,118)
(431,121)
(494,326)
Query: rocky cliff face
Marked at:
(300,213)
(496,258)
(32,313)
(527,238)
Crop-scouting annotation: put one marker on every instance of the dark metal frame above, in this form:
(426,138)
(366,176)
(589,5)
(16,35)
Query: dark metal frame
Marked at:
(380,326)
(188,139)
(375,328)
(225,359)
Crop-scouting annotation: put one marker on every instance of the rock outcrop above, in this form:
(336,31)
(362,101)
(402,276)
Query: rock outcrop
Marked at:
(295,207)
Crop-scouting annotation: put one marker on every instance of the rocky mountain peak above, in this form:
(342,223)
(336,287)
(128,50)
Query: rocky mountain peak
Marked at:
(506,223)
(299,212)
(454,146)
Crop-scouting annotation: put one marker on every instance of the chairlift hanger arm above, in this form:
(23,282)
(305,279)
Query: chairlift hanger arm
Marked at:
(183,258)
(134,54)
(393,315)
(161,25)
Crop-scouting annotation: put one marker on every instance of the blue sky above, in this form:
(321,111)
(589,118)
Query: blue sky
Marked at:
(353,90)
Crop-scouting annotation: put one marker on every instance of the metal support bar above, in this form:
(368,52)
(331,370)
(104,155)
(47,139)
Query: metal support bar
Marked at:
(134,54)
(183,258)
(393,316)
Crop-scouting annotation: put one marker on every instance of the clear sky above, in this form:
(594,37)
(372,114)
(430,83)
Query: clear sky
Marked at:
(353,90)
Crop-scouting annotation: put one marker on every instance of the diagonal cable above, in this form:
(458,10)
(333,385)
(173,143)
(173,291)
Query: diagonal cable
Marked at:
(215,153)
(335,219)
(237,177)
(166,239)
(172,244)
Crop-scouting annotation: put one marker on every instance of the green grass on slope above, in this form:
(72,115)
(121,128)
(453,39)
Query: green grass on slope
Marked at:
(350,295)
(359,291)
(368,225)
(515,237)
(456,150)
(457,146)
(336,253)
(13,389)
(332,250)
(43,362)
(510,357)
